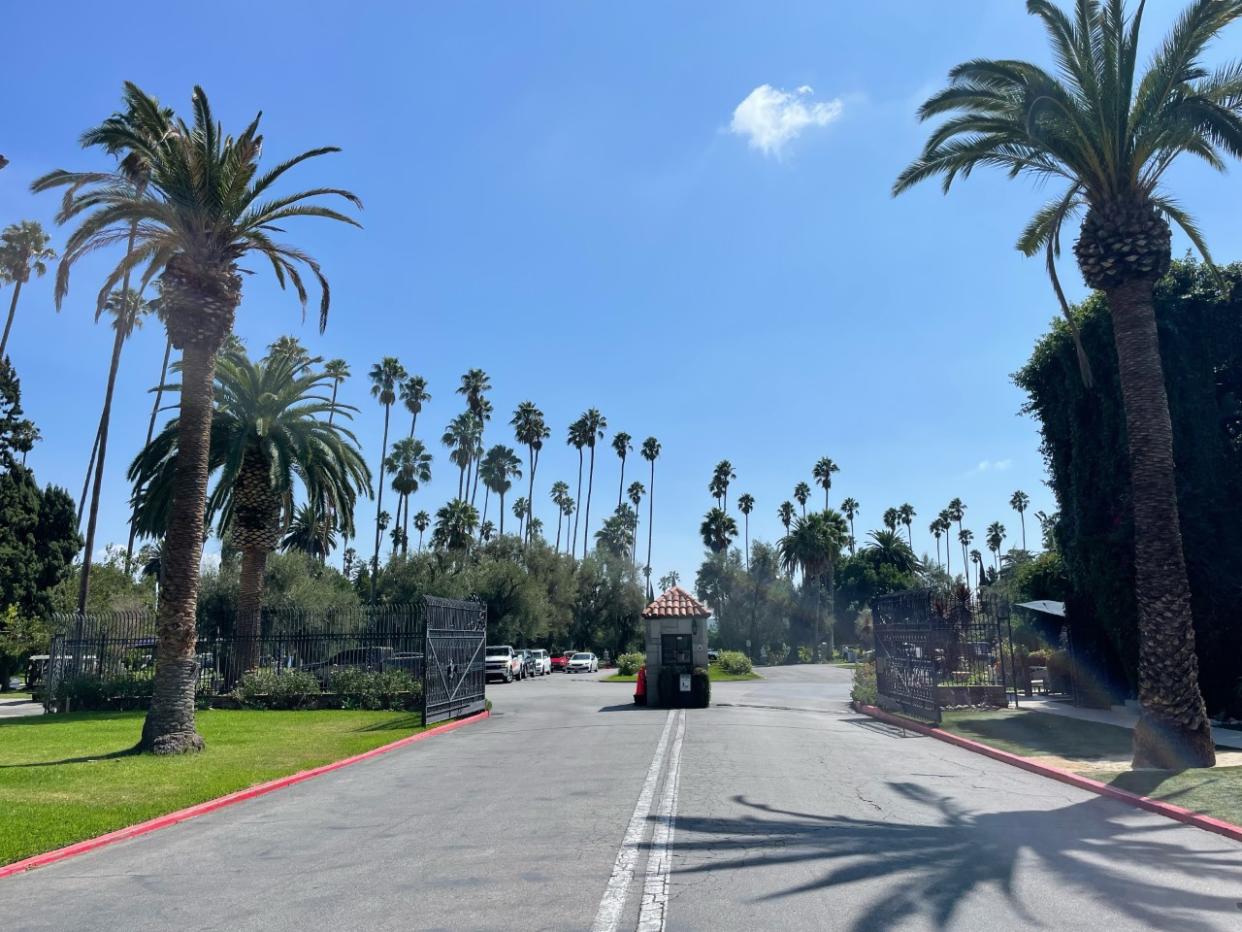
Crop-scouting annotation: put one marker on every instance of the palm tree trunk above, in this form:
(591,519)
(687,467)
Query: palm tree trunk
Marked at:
(910,536)
(249,610)
(530,492)
(486,494)
(560,516)
(84,584)
(169,726)
(413,424)
(586,520)
(650,519)
(573,551)
(1022,521)
(502,512)
(90,471)
(746,521)
(155,410)
(405,528)
(621,487)
(1173,729)
(379,504)
(8,324)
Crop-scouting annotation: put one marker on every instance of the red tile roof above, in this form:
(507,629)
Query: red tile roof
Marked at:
(676,603)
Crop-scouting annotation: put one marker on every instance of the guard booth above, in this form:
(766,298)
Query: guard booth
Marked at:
(675,628)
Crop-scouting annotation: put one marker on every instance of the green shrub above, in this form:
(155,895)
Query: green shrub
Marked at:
(735,662)
(89,693)
(777,655)
(362,689)
(628,664)
(268,689)
(864,689)
(700,689)
(804,654)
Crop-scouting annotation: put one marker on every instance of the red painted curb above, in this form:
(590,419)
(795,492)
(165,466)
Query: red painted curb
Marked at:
(211,805)
(1168,810)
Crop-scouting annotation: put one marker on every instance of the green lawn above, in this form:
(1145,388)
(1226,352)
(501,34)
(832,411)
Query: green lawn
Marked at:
(1099,751)
(64,778)
(714,673)
(15,696)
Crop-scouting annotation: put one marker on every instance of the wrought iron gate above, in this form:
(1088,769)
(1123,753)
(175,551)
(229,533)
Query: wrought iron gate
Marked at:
(454,674)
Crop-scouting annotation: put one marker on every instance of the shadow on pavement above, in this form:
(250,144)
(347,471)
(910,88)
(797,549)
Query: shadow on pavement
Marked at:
(879,727)
(933,867)
(630,707)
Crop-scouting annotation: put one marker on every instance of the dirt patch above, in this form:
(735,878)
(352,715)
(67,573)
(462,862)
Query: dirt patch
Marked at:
(1118,765)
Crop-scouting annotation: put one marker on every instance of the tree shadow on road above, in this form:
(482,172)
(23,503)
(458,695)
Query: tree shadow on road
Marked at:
(932,867)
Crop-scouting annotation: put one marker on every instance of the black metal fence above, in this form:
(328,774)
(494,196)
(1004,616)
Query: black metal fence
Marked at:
(438,643)
(937,650)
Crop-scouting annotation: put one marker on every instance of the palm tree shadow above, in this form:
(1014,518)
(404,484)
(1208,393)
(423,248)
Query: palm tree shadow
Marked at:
(85,759)
(934,866)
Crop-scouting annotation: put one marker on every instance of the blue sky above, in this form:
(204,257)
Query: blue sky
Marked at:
(554,194)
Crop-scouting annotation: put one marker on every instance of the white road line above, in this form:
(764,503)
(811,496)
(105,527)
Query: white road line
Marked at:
(613,903)
(654,911)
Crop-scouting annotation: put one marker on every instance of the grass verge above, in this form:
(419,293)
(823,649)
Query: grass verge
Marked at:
(714,673)
(1102,752)
(65,778)
(15,696)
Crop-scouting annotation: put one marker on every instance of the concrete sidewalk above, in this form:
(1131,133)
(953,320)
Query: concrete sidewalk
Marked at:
(16,708)
(1121,716)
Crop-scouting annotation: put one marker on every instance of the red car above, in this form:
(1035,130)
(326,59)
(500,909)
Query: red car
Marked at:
(561,661)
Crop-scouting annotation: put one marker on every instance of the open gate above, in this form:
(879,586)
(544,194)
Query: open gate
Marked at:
(454,674)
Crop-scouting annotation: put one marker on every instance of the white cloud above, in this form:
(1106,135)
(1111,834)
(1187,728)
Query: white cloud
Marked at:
(990,466)
(769,117)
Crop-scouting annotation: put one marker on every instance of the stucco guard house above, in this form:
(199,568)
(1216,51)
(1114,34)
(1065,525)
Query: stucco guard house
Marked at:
(676,640)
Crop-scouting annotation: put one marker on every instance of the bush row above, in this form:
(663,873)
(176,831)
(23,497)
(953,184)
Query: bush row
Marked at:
(347,689)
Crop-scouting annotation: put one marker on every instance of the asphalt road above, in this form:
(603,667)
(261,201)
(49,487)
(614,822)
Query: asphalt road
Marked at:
(572,809)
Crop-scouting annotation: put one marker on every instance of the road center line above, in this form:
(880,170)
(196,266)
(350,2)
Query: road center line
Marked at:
(653,913)
(613,903)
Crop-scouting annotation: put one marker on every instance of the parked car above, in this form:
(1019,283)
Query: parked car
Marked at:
(583,662)
(713,655)
(371,659)
(561,660)
(503,662)
(543,663)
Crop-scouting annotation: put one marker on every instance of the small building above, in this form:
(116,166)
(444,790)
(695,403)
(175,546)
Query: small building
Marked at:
(675,629)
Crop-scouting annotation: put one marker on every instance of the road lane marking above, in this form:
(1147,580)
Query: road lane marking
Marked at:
(613,904)
(653,913)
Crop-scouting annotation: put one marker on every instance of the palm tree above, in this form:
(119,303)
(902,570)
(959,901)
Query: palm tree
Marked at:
(455,525)
(822,474)
(385,376)
(976,558)
(529,428)
(906,514)
(156,306)
(414,395)
(888,547)
(462,436)
(956,511)
(995,537)
(1110,136)
(802,494)
(669,580)
(946,524)
(650,452)
(205,207)
(475,385)
(487,530)
(290,346)
(965,537)
(1019,502)
(126,309)
(594,424)
(936,530)
(499,468)
(635,492)
(311,532)
(891,517)
(568,507)
(622,447)
(24,251)
(850,508)
(617,533)
(718,530)
(558,494)
(338,371)
(813,546)
(786,513)
(269,433)
(576,438)
(722,475)
(746,504)
(521,508)
(422,521)
(410,465)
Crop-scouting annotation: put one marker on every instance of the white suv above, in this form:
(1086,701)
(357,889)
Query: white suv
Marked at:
(543,663)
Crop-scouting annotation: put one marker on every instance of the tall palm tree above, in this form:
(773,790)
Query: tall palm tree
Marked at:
(635,493)
(306,532)
(414,395)
(455,525)
(906,513)
(802,494)
(746,504)
(669,580)
(622,447)
(946,524)
(722,475)
(936,531)
(995,537)
(206,206)
(475,385)
(1110,136)
(891,518)
(269,434)
(499,468)
(568,507)
(822,474)
(850,508)
(594,424)
(462,437)
(24,251)
(157,307)
(529,428)
(338,371)
(558,494)
(718,530)
(617,533)
(385,376)
(410,465)
(786,513)
(487,531)
(576,437)
(964,537)
(1019,502)
(291,346)
(650,452)
(977,558)
(521,508)
(956,511)
(422,521)
(813,546)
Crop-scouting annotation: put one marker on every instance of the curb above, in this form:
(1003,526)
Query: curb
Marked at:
(1168,810)
(211,805)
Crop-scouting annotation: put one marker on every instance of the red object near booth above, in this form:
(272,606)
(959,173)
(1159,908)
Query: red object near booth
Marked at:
(640,686)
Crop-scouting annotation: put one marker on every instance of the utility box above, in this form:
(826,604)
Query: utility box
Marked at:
(675,629)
